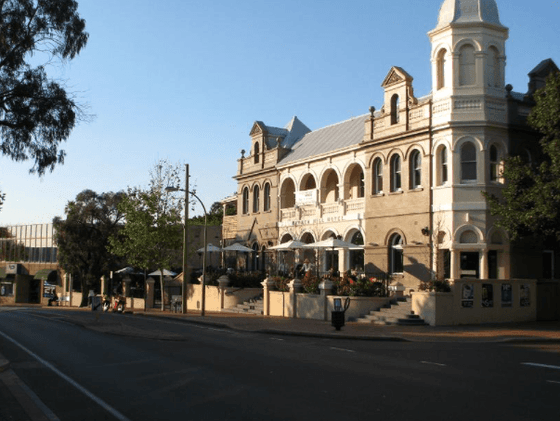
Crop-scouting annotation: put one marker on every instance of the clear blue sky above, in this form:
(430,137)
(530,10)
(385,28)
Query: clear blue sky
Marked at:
(185,80)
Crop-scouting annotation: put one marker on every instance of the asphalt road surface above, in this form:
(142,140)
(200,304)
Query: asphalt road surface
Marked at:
(205,373)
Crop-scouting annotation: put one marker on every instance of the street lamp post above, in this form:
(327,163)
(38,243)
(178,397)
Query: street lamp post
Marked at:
(185,237)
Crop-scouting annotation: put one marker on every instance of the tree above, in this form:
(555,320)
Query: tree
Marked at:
(2,198)
(214,218)
(530,201)
(152,236)
(36,112)
(83,237)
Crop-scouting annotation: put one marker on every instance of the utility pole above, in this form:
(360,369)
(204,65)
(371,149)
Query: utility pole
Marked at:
(185,242)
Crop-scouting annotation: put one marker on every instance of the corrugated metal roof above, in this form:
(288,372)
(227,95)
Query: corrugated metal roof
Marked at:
(328,139)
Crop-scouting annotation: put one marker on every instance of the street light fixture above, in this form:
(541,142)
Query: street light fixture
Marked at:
(185,237)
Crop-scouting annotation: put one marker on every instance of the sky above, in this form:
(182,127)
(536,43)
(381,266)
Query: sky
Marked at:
(185,80)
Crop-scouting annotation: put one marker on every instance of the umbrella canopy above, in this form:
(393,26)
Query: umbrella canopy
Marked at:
(238,247)
(289,245)
(128,271)
(210,248)
(333,243)
(165,273)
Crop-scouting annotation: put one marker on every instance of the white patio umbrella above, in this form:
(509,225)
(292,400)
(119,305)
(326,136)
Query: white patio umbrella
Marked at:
(288,245)
(210,248)
(165,273)
(291,245)
(333,243)
(236,247)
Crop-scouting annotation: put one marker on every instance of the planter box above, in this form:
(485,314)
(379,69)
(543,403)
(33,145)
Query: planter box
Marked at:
(436,308)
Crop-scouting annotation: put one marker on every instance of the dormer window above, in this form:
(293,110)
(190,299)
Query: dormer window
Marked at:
(256,153)
(394,109)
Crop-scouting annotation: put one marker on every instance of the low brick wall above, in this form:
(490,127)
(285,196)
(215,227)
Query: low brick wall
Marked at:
(476,301)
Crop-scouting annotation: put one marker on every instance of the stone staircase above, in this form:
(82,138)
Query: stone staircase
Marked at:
(399,312)
(252,306)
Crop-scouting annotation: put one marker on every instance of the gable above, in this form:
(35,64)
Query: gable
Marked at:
(396,75)
(258,128)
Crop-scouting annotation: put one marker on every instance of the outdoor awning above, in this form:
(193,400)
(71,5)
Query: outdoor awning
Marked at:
(44,274)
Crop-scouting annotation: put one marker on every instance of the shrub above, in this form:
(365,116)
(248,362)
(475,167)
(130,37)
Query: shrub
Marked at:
(310,283)
(281,283)
(436,286)
(358,286)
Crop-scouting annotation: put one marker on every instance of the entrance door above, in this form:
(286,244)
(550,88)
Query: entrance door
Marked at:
(470,264)
(493,264)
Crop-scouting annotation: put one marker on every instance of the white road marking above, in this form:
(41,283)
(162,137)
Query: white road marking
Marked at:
(552,381)
(342,349)
(276,339)
(82,389)
(431,363)
(217,330)
(554,367)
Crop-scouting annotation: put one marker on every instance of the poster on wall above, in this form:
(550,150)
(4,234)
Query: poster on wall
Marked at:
(467,298)
(507,299)
(524,295)
(487,295)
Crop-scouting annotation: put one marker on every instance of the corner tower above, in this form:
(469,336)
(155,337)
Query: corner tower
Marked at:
(468,58)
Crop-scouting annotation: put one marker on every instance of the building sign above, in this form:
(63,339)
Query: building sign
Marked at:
(487,295)
(507,299)
(306,197)
(524,295)
(467,297)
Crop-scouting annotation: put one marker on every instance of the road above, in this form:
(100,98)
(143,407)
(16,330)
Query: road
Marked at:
(205,373)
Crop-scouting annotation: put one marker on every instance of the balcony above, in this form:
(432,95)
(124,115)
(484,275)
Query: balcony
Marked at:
(323,210)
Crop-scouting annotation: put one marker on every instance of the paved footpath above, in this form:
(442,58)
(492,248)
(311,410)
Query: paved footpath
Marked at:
(20,404)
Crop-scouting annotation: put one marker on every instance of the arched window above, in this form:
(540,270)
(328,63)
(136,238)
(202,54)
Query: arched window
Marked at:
(395,173)
(356,183)
(494,163)
(377,176)
(441,69)
(256,199)
(245,201)
(415,169)
(288,194)
(394,109)
(468,237)
(443,170)
(396,254)
(256,153)
(468,163)
(467,66)
(494,76)
(330,188)
(266,197)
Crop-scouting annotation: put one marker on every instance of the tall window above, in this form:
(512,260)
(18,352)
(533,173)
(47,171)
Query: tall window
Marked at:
(468,162)
(266,197)
(493,67)
(443,165)
(256,153)
(396,254)
(494,163)
(415,169)
(245,201)
(395,173)
(256,198)
(467,66)
(441,69)
(394,109)
(377,176)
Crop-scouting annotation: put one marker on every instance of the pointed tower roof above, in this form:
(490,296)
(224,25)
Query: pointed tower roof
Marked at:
(468,11)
